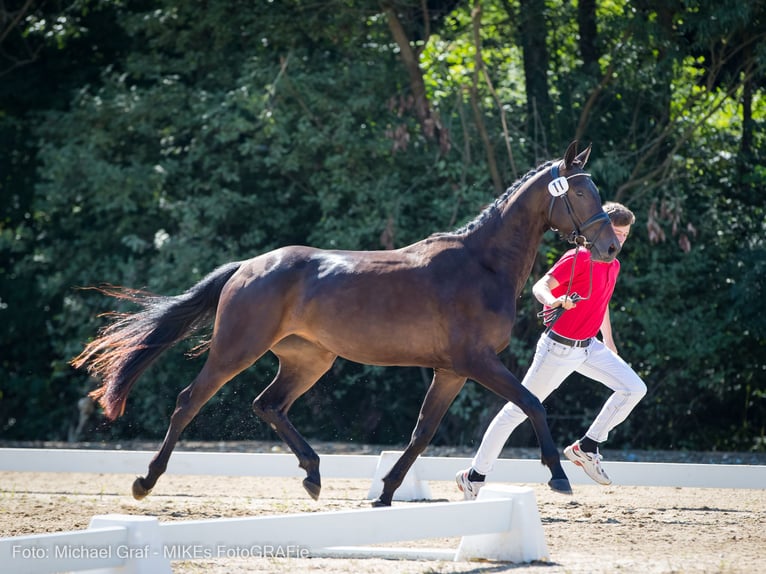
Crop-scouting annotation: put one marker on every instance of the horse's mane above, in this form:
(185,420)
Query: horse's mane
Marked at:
(493,208)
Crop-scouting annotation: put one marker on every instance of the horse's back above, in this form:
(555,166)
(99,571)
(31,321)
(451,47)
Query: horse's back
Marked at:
(345,301)
(388,307)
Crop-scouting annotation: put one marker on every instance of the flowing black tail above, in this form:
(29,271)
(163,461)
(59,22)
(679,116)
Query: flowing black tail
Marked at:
(124,349)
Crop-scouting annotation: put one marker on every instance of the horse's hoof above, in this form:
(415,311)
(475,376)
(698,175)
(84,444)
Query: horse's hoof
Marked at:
(313,488)
(560,485)
(139,492)
(378,503)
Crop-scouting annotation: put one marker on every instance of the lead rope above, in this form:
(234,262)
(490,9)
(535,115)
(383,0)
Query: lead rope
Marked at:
(552,314)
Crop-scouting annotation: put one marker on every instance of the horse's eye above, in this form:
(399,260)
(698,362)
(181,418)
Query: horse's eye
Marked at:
(579,192)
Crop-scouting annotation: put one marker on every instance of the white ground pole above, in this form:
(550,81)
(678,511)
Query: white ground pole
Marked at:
(503,524)
(519,471)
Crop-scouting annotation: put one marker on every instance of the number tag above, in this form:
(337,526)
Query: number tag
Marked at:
(558,186)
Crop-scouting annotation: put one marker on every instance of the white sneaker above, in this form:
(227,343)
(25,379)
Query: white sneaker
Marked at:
(469,489)
(590,462)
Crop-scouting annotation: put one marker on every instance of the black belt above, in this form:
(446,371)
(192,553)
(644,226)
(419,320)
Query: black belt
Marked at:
(567,341)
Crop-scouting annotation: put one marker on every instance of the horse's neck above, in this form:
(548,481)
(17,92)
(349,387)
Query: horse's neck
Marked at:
(508,242)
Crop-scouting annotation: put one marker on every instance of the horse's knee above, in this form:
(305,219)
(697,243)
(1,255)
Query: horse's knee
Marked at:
(534,409)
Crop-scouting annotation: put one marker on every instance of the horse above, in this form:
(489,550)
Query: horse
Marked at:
(447,302)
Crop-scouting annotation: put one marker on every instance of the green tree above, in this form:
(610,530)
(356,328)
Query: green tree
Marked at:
(146,143)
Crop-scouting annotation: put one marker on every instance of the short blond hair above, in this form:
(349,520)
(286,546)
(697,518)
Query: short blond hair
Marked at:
(619,214)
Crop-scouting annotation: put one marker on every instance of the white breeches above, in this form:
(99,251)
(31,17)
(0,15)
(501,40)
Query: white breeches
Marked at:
(553,363)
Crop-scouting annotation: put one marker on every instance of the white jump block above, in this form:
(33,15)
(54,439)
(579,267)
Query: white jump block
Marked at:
(144,550)
(412,488)
(522,541)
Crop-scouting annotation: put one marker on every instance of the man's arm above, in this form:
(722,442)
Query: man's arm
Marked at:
(542,292)
(606,332)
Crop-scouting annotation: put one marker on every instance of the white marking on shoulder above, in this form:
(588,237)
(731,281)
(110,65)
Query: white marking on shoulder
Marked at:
(333,263)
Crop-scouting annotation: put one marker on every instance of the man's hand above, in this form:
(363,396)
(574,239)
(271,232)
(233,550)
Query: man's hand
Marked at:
(565,302)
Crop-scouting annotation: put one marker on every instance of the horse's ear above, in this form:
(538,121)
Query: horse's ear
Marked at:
(582,158)
(569,156)
(572,158)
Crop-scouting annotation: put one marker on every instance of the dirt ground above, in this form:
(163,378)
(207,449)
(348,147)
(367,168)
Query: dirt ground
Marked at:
(598,530)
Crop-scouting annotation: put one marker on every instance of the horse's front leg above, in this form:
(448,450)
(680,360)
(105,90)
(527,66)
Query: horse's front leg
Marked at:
(444,388)
(549,454)
(492,374)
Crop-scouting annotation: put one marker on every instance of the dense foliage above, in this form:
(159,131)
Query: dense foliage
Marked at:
(145,143)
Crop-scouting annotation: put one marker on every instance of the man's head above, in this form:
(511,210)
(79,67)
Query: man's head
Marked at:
(621,217)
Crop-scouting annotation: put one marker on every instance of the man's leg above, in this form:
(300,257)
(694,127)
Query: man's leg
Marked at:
(604,366)
(609,369)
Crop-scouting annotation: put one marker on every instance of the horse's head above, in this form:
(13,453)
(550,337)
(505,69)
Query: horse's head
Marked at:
(575,209)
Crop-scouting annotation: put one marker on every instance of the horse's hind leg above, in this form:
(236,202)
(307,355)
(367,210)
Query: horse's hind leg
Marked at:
(190,400)
(301,364)
(444,388)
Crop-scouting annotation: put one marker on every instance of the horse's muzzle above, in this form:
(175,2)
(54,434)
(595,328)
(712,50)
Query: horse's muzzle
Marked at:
(605,254)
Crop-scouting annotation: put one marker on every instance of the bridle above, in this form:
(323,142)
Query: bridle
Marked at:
(558,189)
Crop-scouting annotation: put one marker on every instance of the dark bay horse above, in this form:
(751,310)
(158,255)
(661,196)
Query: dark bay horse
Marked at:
(447,302)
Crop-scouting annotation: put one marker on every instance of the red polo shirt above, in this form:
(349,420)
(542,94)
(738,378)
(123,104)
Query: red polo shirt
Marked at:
(585,319)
